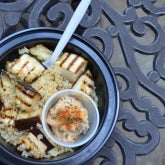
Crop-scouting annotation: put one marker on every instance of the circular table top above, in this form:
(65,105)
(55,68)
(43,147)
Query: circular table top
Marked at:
(133,40)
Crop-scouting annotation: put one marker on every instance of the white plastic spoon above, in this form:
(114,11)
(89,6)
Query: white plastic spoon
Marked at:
(71,27)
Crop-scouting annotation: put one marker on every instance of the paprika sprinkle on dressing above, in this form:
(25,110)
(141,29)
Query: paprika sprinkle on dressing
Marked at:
(68,119)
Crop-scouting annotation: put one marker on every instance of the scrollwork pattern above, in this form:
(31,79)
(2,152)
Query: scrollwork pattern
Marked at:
(57,14)
(11,14)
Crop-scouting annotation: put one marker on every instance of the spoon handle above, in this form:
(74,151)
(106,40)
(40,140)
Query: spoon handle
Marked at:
(71,27)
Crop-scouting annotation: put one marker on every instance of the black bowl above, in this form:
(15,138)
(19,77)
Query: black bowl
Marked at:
(106,88)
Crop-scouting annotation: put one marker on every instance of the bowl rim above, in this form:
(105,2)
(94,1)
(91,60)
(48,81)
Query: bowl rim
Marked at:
(52,100)
(42,32)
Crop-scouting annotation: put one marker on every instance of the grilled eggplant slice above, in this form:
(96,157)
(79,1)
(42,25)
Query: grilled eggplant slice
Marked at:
(71,66)
(41,52)
(26,97)
(1,104)
(27,87)
(27,123)
(26,68)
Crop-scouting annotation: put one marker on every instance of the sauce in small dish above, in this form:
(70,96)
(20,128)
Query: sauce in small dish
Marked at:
(70,118)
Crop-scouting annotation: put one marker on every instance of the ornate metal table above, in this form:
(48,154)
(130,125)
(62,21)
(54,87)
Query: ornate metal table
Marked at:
(137,58)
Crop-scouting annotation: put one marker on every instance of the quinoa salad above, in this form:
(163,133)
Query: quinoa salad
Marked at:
(26,85)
